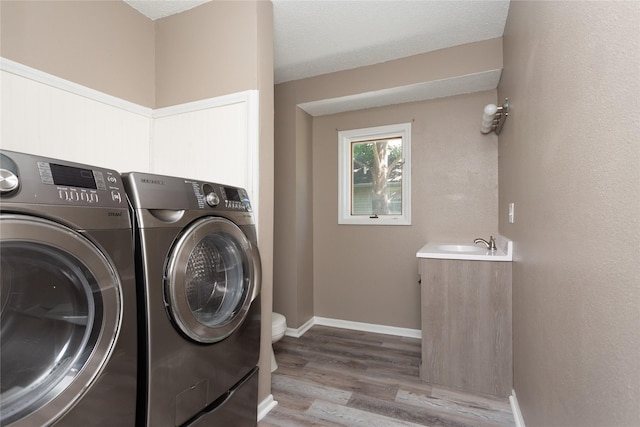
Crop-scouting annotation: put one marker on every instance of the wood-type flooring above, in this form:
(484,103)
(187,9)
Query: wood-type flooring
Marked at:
(337,377)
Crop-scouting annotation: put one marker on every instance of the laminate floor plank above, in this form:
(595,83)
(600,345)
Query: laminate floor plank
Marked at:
(311,389)
(345,416)
(351,381)
(399,411)
(333,377)
(467,414)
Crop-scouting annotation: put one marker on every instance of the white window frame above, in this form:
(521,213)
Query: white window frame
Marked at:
(345,139)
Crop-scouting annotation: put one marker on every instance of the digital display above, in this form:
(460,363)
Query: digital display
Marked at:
(232,194)
(73,177)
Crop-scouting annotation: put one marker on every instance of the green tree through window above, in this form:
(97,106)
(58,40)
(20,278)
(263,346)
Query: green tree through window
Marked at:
(374,175)
(377,176)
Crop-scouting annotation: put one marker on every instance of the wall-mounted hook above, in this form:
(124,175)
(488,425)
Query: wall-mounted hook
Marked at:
(494,116)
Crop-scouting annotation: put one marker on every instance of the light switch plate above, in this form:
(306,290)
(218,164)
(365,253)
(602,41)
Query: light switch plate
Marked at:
(511,212)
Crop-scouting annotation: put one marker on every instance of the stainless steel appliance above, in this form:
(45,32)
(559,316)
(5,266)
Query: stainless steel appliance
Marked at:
(67,295)
(199,277)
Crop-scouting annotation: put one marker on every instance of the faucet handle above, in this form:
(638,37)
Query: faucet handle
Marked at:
(492,243)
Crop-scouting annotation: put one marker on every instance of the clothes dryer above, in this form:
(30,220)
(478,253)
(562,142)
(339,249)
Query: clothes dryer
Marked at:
(199,278)
(67,298)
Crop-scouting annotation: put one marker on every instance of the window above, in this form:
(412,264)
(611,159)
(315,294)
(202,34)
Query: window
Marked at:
(374,175)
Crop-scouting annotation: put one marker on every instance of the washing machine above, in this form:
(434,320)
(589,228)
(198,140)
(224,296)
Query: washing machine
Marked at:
(68,343)
(199,277)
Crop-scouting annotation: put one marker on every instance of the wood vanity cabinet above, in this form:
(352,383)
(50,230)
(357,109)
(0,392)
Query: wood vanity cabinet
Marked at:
(466,325)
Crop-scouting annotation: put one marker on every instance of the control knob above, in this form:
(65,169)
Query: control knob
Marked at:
(8,181)
(212,199)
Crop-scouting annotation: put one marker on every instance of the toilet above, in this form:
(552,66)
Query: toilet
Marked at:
(278,328)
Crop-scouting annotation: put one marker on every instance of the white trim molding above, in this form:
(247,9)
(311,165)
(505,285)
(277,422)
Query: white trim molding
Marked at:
(356,326)
(297,333)
(203,104)
(369,327)
(50,80)
(266,406)
(515,408)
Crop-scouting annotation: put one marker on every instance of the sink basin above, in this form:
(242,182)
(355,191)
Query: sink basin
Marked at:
(462,248)
(467,251)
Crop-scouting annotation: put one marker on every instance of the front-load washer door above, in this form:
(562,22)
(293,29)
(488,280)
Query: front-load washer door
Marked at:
(60,302)
(213,275)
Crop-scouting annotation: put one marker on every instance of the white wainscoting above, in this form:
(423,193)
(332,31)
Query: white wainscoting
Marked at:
(202,145)
(214,139)
(205,140)
(42,119)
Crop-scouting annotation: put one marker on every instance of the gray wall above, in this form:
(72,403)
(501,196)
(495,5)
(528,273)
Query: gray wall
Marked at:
(570,160)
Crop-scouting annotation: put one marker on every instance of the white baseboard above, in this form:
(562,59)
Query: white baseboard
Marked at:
(266,406)
(515,408)
(356,326)
(369,327)
(297,333)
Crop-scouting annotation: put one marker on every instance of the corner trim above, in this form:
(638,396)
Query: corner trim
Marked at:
(515,408)
(246,96)
(266,406)
(356,326)
(297,333)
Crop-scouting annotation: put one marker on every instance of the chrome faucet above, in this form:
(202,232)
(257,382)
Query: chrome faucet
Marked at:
(491,244)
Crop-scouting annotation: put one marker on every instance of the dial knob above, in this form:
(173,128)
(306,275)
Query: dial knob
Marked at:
(8,181)
(212,198)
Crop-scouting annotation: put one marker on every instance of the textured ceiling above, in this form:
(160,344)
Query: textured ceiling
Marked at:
(314,37)
(318,37)
(156,9)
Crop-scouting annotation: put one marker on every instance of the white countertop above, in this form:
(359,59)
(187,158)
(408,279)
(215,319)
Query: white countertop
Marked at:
(467,251)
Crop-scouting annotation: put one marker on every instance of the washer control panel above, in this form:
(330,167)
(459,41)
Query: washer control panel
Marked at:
(221,196)
(170,193)
(29,178)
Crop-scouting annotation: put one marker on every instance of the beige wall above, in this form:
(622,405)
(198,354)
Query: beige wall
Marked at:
(305,268)
(207,51)
(293,256)
(570,160)
(264,69)
(178,59)
(370,273)
(285,257)
(431,66)
(215,49)
(105,45)
(304,224)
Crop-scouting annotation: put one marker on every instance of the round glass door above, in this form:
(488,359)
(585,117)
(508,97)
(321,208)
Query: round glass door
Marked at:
(60,314)
(212,278)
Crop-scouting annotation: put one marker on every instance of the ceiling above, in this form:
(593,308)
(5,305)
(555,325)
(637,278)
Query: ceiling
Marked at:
(314,37)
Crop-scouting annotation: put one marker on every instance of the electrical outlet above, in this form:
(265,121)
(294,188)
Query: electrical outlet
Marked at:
(512,212)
